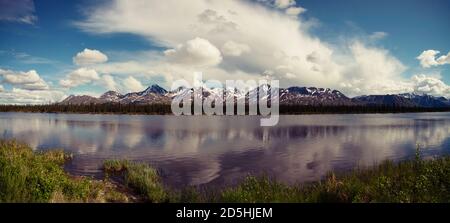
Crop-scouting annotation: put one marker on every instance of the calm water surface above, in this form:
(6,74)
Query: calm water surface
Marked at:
(221,149)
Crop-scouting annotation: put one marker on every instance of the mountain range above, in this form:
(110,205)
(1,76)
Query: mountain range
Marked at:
(313,96)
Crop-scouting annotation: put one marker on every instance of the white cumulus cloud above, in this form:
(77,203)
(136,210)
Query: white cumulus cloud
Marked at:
(282,4)
(23,96)
(428,58)
(231,48)
(274,42)
(430,85)
(295,11)
(89,57)
(29,80)
(78,77)
(131,84)
(195,52)
(109,82)
(372,70)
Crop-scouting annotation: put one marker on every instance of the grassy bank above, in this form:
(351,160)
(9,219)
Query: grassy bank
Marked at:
(409,181)
(26,176)
(405,182)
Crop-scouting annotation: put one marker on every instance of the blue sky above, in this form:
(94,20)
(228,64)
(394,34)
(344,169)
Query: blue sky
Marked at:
(359,47)
(412,25)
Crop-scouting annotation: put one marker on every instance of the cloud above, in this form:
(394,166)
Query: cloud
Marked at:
(22,96)
(89,57)
(430,85)
(378,36)
(295,11)
(216,22)
(444,59)
(27,88)
(29,80)
(231,48)
(195,52)
(373,71)
(124,67)
(192,31)
(132,85)
(109,82)
(428,58)
(21,11)
(78,77)
(26,58)
(181,23)
(83,76)
(20,77)
(290,76)
(282,4)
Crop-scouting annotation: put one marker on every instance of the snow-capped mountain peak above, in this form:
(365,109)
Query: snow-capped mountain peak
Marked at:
(155,89)
(111,96)
(310,96)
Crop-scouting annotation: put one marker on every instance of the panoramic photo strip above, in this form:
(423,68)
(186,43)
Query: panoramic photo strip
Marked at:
(224,110)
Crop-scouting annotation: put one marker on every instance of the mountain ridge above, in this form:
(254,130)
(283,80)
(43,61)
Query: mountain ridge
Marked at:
(295,95)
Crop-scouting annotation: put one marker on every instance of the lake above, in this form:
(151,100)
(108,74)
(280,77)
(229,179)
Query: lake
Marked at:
(221,150)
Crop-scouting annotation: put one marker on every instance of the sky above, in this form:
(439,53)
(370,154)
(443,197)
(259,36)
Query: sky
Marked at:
(50,49)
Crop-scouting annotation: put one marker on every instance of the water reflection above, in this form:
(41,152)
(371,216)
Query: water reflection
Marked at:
(221,150)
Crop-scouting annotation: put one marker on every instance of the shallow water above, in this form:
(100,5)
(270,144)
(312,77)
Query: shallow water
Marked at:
(221,150)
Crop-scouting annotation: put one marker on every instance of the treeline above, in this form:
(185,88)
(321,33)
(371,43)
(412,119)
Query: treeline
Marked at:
(91,108)
(163,109)
(313,109)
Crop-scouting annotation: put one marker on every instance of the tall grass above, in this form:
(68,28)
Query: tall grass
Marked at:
(140,177)
(415,181)
(27,176)
(410,181)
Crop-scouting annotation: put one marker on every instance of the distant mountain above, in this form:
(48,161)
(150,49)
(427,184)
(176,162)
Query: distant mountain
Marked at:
(111,96)
(154,89)
(314,96)
(311,96)
(387,100)
(405,100)
(152,95)
(81,100)
(427,101)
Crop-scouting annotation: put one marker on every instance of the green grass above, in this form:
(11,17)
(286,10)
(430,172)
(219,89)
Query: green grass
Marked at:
(140,177)
(27,176)
(415,181)
(411,181)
